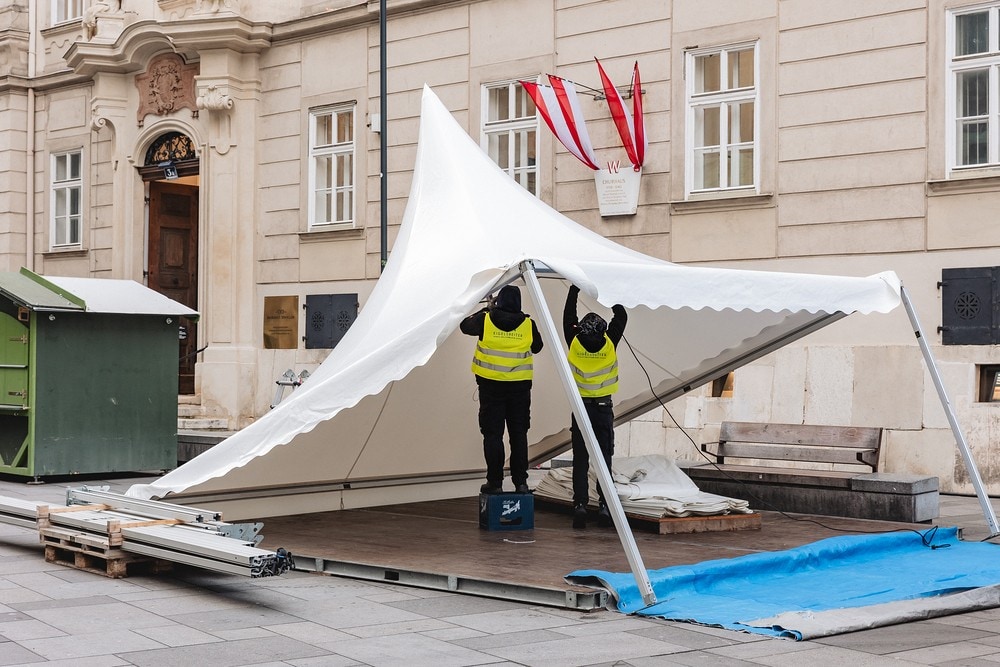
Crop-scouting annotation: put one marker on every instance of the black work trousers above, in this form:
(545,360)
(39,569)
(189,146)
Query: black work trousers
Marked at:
(602,420)
(508,407)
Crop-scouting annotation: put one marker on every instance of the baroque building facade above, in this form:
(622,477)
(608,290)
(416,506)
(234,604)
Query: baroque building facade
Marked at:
(227,153)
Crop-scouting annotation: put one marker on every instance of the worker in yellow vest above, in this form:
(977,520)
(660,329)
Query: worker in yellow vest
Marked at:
(502,364)
(593,359)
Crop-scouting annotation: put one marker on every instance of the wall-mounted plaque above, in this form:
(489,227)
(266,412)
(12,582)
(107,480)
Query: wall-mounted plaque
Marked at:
(281,322)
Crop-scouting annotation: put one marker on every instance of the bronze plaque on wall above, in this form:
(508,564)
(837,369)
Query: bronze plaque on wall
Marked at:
(281,322)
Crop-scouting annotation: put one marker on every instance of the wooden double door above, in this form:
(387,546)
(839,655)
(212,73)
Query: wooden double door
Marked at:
(173,262)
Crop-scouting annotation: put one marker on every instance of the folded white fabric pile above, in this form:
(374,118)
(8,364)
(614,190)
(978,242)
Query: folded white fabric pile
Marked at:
(650,486)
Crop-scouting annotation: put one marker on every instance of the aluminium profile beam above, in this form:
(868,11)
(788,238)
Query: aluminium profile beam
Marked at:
(589,438)
(570,599)
(196,560)
(148,508)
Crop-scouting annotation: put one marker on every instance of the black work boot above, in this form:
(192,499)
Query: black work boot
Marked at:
(490,488)
(580,516)
(604,516)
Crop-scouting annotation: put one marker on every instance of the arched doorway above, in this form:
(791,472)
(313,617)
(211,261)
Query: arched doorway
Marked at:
(170,171)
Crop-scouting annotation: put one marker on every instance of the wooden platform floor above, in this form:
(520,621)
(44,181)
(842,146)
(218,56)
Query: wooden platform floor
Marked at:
(444,538)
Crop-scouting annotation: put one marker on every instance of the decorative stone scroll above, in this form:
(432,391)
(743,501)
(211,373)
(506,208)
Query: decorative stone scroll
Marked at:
(166,86)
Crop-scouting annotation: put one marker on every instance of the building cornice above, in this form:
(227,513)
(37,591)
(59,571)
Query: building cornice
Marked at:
(334,20)
(142,40)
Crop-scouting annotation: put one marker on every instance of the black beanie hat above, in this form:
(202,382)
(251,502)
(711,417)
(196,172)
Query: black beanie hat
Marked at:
(509,299)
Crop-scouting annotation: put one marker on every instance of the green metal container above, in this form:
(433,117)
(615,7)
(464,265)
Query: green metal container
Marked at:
(88,376)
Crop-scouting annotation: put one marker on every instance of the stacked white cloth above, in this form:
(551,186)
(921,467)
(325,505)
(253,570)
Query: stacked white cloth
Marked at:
(651,486)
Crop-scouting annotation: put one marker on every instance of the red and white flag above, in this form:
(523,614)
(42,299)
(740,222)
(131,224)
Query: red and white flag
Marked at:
(560,107)
(630,126)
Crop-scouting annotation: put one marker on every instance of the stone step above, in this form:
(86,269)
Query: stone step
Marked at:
(201,424)
(190,410)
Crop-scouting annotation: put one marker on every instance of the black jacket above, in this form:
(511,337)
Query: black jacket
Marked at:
(616,327)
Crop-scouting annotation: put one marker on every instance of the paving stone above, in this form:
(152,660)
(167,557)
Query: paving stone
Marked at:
(586,650)
(409,650)
(233,619)
(932,655)
(19,630)
(905,636)
(514,620)
(176,634)
(487,641)
(226,654)
(309,632)
(440,607)
(96,618)
(83,645)
(12,654)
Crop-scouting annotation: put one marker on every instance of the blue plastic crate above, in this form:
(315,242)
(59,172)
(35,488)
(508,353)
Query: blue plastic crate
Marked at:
(506,511)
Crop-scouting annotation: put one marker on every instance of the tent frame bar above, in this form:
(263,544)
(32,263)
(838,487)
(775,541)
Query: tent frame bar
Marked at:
(963,446)
(590,439)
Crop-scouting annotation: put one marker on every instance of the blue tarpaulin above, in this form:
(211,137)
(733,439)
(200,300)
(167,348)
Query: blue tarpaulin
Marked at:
(827,587)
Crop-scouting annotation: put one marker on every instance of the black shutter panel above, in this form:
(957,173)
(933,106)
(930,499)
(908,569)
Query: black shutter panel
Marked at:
(328,317)
(969,306)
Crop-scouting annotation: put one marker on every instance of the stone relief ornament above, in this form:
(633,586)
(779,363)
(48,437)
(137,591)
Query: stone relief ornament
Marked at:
(216,6)
(166,86)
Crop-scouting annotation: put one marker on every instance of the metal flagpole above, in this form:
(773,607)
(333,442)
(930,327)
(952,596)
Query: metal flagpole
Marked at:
(970,465)
(583,422)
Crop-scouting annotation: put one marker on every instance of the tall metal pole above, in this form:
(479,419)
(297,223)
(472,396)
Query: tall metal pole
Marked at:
(583,422)
(383,139)
(963,446)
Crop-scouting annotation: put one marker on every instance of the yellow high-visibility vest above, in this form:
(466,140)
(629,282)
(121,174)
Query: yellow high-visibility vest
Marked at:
(596,373)
(504,355)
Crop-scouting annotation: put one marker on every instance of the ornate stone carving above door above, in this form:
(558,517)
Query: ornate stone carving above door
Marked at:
(166,86)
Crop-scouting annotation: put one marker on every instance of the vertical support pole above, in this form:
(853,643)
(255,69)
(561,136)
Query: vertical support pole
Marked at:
(383,141)
(963,446)
(583,422)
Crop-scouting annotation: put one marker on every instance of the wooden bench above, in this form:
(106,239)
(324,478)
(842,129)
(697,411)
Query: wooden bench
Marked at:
(812,469)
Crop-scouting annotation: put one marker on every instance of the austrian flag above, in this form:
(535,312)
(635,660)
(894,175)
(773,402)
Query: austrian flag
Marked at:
(560,108)
(630,126)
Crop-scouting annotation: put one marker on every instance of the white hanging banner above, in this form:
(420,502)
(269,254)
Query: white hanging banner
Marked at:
(617,189)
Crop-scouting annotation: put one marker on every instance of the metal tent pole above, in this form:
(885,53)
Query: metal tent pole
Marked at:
(583,422)
(963,446)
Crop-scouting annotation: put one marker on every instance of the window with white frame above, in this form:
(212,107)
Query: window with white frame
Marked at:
(510,131)
(66,10)
(721,130)
(66,203)
(973,61)
(331,167)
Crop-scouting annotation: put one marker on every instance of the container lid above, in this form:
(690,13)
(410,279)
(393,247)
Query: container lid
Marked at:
(91,295)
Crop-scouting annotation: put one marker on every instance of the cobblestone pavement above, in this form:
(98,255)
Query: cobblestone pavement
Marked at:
(54,615)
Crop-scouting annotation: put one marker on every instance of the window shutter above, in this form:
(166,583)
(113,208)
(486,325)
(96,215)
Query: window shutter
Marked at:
(328,317)
(970,307)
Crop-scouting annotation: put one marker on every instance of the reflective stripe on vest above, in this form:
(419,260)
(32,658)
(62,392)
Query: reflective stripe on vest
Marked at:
(504,355)
(596,373)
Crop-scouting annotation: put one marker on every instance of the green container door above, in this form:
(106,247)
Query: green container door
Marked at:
(13,363)
(13,393)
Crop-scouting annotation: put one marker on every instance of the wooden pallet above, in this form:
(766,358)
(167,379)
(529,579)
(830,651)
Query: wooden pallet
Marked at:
(93,553)
(671,525)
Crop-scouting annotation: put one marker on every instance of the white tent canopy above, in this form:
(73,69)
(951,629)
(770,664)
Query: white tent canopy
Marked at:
(391,415)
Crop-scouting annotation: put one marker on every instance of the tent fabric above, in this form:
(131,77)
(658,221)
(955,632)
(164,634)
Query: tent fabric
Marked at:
(394,402)
(651,486)
(828,587)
